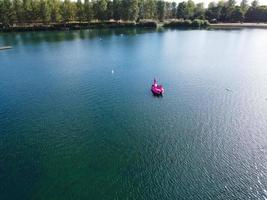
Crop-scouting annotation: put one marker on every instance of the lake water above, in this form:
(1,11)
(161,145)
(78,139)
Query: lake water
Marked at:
(78,120)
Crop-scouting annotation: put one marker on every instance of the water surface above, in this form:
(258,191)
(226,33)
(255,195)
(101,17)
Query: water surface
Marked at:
(72,129)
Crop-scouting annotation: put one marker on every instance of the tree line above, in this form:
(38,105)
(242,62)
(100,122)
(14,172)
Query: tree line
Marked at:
(57,11)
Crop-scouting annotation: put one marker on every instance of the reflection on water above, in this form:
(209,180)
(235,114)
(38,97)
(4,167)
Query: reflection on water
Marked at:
(59,36)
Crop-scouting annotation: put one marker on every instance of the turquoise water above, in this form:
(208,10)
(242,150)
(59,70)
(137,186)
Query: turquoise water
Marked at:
(72,129)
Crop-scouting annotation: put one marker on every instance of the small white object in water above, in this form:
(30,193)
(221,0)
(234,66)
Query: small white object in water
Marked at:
(112,71)
(121,35)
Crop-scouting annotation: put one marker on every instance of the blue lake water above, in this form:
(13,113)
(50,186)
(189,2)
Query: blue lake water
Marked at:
(72,129)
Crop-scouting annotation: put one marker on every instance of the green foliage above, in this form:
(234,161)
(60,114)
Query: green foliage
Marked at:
(149,9)
(199,12)
(161,10)
(18,10)
(45,11)
(181,10)
(68,11)
(31,10)
(7,15)
(187,22)
(131,10)
(79,11)
(186,10)
(228,12)
(88,10)
(173,9)
(244,5)
(109,10)
(206,23)
(55,11)
(117,7)
(1,11)
(190,8)
(196,23)
(148,24)
(237,15)
(255,4)
(100,8)
(230,3)
(257,14)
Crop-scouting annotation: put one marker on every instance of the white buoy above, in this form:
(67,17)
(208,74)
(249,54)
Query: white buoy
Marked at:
(112,71)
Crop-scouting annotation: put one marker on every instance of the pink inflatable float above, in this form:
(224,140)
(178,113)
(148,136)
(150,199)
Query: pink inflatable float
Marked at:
(157,89)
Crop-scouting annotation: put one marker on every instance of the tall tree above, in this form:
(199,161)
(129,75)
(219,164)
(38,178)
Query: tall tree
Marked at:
(181,10)
(161,10)
(237,14)
(26,10)
(79,11)
(17,5)
(190,8)
(199,12)
(256,13)
(109,10)
(117,9)
(173,9)
(125,9)
(45,11)
(100,9)
(1,11)
(34,9)
(168,10)
(133,10)
(55,10)
(228,9)
(67,11)
(231,3)
(88,10)
(130,10)
(149,9)
(7,12)
(244,5)
(255,4)
(214,11)
(141,5)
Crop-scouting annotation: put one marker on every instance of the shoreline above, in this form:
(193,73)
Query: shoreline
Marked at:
(239,25)
(76,26)
(97,25)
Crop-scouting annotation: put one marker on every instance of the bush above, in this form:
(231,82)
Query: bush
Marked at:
(187,22)
(197,23)
(178,23)
(205,23)
(148,24)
